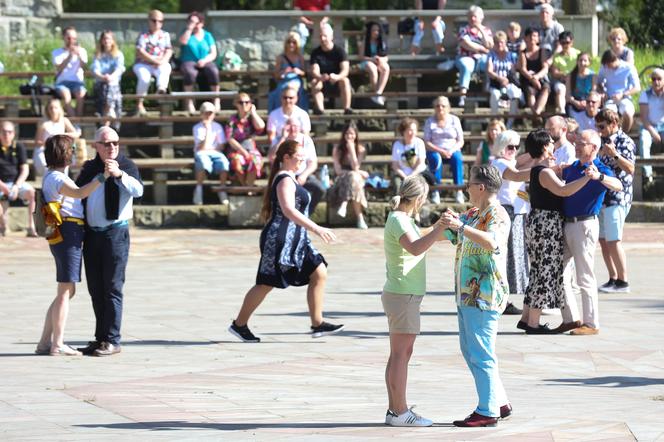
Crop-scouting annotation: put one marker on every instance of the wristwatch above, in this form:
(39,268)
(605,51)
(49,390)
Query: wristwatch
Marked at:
(601,177)
(617,157)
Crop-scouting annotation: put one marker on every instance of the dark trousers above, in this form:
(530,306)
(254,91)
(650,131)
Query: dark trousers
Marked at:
(316,190)
(208,74)
(105,255)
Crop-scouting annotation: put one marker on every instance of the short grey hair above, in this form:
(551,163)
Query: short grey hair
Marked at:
(547,7)
(487,175)
(477,11)
(658,71)
(326,29)
(504,139)
(102,130)
(593,137)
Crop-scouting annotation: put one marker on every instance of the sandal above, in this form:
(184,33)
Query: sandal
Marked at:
(42,351)
(65,350)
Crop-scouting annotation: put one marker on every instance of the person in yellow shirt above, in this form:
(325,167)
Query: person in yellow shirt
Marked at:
(562,65)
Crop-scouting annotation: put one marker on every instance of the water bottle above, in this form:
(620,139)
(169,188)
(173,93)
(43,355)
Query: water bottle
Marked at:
(325,177)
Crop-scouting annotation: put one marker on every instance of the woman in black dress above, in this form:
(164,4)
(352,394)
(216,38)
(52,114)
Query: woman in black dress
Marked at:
(287,255)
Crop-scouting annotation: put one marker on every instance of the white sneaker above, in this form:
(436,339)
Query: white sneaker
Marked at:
(389,414)
(462,101)
(198,195)
(435,197)
(459,197)
(379,100)
(409,419)
(361,224)
(223,197)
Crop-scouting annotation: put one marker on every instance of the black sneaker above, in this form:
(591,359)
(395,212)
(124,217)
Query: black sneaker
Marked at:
(324,329)
(607,286)
(512,309)
(541,330)
(620,286)
(349,111)
(243,333)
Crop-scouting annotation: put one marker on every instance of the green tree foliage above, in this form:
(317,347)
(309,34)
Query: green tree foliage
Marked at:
(120,5)
(641,19)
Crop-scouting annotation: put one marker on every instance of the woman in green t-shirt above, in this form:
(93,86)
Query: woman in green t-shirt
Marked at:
(404,289)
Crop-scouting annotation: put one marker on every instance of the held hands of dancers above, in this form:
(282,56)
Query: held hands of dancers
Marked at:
(592,172)
(450,220)
(111,168)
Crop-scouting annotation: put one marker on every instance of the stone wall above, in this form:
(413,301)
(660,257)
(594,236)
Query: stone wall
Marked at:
(20,19)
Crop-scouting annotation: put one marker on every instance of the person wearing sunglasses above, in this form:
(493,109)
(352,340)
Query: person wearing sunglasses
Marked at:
(651,104)
(153,55)
(289,71)
(563,64)
(618,151)
(276,120)
(108,210)
(246,162)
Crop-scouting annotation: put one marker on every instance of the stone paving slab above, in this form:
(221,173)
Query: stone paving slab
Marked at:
(181,376)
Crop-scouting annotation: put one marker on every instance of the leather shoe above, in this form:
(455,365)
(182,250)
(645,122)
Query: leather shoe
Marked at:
(107,349)
(90,349)
(506,411)
(567,326)
(584,330)
(521,325)
(541,330)
(477,420)
(512,309)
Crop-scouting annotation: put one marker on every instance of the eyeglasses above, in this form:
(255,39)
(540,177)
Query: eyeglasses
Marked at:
(154,20)
(512,147)
(656,78)
(601,126)
(244,102)
(109,143)
(288,97)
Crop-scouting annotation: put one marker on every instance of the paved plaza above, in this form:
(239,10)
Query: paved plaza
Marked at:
(181,376)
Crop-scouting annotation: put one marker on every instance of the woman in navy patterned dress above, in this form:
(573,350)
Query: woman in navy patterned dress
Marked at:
(287,255)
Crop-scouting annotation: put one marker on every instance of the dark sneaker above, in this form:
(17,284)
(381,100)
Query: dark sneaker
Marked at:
(607,286)
(243,333)
(349,111)
(90,349)
(325,328)
(512,309)
(620,287)
(541,330)
(521,325)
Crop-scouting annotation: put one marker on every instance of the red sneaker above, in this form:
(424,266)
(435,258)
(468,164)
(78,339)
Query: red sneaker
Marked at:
(477,420)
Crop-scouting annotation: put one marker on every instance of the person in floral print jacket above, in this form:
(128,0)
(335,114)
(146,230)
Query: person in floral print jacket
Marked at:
(618,151)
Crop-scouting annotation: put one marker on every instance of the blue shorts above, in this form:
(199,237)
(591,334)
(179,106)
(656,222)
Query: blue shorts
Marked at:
(612,222)
(68,253)
(211,161)
(73,86)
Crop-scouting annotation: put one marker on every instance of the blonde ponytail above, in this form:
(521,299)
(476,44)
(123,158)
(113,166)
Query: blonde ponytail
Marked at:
(412,188)
(394,202)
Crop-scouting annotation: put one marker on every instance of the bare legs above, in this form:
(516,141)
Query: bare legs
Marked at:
(614,258)
(56,317)
(396,371)
(315,293)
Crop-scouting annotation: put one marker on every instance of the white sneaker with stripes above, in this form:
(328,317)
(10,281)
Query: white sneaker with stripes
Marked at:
(409,419)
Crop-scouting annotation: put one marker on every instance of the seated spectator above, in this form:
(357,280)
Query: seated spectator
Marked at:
(443,139)
(306,174)
(55,123)
(329,71)
(198,57)
(534,70)
(549,30)
(563,63)
(276,120)
(69,62)
(475,42)
(374,60)
(501,68)
(107,68)
(620,81)
(153,55)
(209,140)
(14,171)
(246,162)
(586,118)
(617,40)
(651,103)
(408,154)
(289,71)
(485,148)
(349,177)
(515,42)
(580,82)
(437,26)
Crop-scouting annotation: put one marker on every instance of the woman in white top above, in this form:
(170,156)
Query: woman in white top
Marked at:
(408,154)
(55,123)
(65,241)
(513,196)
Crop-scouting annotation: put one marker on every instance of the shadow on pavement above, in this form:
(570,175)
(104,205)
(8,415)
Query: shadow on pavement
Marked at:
(182,425)
(337,314)
(611,381)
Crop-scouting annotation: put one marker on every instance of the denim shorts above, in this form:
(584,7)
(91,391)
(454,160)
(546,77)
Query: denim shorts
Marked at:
(73,86)
(612,222)
(211,161)
(68,253)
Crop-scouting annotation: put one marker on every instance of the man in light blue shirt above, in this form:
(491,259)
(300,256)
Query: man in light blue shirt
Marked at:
(620,81)
(106,248)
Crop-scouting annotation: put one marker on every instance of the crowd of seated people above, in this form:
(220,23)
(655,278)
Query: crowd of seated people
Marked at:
(518,71)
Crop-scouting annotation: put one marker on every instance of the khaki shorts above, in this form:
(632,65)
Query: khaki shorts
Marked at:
(403,312)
